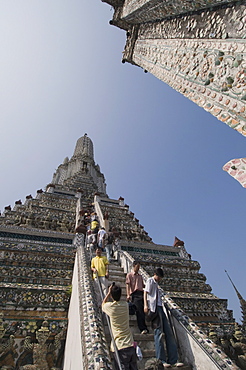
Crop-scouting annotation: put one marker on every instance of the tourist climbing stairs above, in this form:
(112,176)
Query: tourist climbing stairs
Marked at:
(144,341)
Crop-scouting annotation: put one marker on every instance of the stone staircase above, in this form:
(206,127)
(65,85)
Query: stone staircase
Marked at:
(144,341)
(124,221)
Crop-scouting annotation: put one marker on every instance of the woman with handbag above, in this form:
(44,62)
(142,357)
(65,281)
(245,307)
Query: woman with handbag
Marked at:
(153,309)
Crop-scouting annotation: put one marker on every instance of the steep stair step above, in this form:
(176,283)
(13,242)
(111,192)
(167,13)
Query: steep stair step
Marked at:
(119,277)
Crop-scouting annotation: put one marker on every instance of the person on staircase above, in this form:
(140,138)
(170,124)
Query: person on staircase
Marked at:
(134,292)
(91,242)
(118,312)
(109,240)
(153,302)
(94,216)
(94,226)
(100,266)
(101,237)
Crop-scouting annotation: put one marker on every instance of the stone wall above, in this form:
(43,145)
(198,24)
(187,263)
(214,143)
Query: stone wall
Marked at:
(139,11)
(198,48)
(209,72)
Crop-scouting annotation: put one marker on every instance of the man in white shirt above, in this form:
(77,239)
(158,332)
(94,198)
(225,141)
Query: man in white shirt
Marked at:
(101,237)
(153,302)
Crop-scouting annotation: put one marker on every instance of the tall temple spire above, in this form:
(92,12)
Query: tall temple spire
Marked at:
(80,168)
(84,146)
(242,303)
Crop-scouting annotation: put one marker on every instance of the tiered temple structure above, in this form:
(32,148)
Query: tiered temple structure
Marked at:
(38,247)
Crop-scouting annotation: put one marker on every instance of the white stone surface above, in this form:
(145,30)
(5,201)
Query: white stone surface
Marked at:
(73,348)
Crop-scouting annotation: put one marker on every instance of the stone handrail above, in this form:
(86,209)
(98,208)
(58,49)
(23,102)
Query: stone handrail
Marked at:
(98,210)
(196,348)
(86,346)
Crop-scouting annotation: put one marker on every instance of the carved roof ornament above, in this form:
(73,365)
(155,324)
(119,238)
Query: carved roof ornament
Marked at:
(237,331)
(213,335)
(237,169)
(45,326)
(242,303)
(114,3)
(66,160)
(2,330)
(178,242)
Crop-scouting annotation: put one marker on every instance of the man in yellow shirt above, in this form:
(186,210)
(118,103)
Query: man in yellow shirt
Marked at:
(118,312)
(99,266)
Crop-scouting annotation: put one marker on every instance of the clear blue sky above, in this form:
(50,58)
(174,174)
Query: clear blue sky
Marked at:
(61,76)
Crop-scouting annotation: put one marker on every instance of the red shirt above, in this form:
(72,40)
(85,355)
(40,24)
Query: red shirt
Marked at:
(135,282)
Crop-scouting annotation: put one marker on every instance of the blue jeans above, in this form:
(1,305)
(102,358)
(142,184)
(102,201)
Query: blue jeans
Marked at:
(100,243)
(172,352)
(108,248)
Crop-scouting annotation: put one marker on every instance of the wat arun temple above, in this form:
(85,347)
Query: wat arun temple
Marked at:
(49,316)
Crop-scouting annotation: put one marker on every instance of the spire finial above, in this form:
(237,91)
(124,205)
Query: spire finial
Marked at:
(242,302)
(84,146)
(238,294)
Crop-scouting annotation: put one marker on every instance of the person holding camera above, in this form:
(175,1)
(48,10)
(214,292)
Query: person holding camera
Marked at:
(119,320)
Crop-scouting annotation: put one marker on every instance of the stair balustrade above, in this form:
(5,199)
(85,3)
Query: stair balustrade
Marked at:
(195,347)
(86,346)
(98,211)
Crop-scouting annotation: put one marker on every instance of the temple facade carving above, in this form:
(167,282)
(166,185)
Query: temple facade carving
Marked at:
(196,47)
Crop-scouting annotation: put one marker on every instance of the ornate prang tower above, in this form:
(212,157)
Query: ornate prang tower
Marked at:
(37,258)
(80,170)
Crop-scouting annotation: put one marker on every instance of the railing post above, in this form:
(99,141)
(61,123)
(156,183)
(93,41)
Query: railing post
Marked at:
(98,210)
